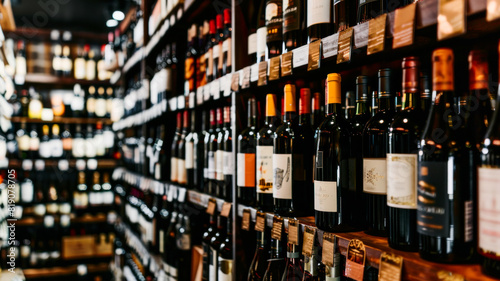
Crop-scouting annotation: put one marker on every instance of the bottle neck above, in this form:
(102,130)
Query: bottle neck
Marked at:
(289,116)
(386,103)
(276,249)
(333,108)
(292,252)
(271,120)
(305,118)
(252,121)
(410,101)
(361,107)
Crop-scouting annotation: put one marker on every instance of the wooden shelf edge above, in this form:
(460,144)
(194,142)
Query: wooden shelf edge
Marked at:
(65,120)
(101,163)
(59,270)
(42,78)
(28,33)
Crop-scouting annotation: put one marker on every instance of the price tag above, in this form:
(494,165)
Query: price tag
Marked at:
(260,222)
(262,74)
(492,10)
(172,104)
(254,72)
(314,55)
(376,34)
(328,249)
(277,228)
(227,85)
(214,89)
(226,209)
(212,204)
(245,222)
(404,26)
(286,64)
(449,276)
(274,68)
(390,268)
(355,262)
(451,18)
(245,83)
(330,45)
(235,82)
(308,241)
(199,95)
(300,56)
(344,48)
(293,232)
(361,35)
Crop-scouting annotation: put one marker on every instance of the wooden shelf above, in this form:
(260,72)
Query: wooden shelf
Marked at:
(64,120)
(101,163)
(48,79)
(32,221)
(29,34)
(58,271)
(133,60)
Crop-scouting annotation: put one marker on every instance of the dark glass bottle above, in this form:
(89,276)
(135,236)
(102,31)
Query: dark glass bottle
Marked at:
(445,210)
(274,25)
(294,270)
(425,94)
(225,260)
(174,150)
(404,133)
(259,262)
(215,244)
(317,114)
(261,34)
(219,154)
(293,24)
(212,44)
(313,270)
(344,14)
(210,149)
(246,158)
(319,19)
(217,49)
(190,61)
(375,145)
(369,9)
(193,150)
(227,157)
(226,45)
(207,237)
(184,250)
(349,106)
(181,151)
(276,263)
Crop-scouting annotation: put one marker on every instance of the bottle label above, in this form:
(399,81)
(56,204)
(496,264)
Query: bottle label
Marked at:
(77,104)
(45,149)
(225,269)
(67,144)
(78,148)
(489,208)
(100,107)
(184,242)
(80,200)
(211,165)
(246,169)
(27,191)
(291,15)
(157,173)
(228,163)
(79,67)
(181,171)
(56,65)
(107,197)
(402,180)
(261,41)
(226,50)
(57,148)
(24,143)
(90,70)
(375,175)
(173,169)
(274,21)
(213,264)
(252,44)
(209,61)
(318,11)
(90,150)
(325,196)
(219,162)
(91,105)
(189,155)
(206,262)
(264,169)
(161,237)
(434,187)
(109,138)
(189,73)
(34,144)
(282,180)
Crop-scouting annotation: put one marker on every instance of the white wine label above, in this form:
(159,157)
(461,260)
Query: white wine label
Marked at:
(261,41)
(45,149)
(225,269)
(181,171)
(189,155)
(282,178)
(325,196)
(211,165)
(173,169)
(228,167)
(27,191)
(216,51)
(219,162)
(100,107)
(375,175)
(489,221)
(213,262)
(34,144)
(23,143)
(402,180)
(57,148)
(318,11)
(264,169)
(252,43)
(246,169)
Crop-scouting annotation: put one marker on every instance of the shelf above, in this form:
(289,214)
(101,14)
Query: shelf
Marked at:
(133,60)
(414,268)
(101,163)
(142,117)
(64,120)
(48,79)
(58,271)
(43,34)
(32,221)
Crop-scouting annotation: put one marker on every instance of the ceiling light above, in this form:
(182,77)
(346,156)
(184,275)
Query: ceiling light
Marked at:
(118,15)
(111,23)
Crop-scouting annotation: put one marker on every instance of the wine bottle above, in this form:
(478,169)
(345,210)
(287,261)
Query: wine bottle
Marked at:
(333,199)
(78,149)
(425,94)
(252,19)
(282,157)
(215,244)
(95,199)
(312,267)
(100,103)
(207,237)
(261,52)
(184,250)
(90,146)
(56,63)
(181,151)
(190,61)
(259,262)
(80,195)
(303,158)
(163,224)
(227,157)
(67,141)
(375,145)
(349,107)
(445,210)
(264,156)
(79,61)
(174,150)
(404,133)
(225,260)
(274,26)
(193,149)
(34,141)
(246,158)
(209,54)
(276,263)
(369,9)
(217,49)
(201,68)
(293,23)
(226,44)
(344,14)
(56,142)
(319,19)
(90,104)
(219,155)
(293,267)
(45,145)
(317,113)
(20,63)
(209,151)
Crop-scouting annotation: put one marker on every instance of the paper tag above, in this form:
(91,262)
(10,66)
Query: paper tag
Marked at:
(254,72)
(277,228)
(245,222)
(492,10)
(451,18)
(376,34)
(181,102)
(274,68)
(314,55)
(355,262)
(361,35)
(199,96)
(246,78)
(212,204)
(390,267)
(262,74)
(286,64)
(328,249)
(206,92)
(226,209)
(227,85)
(300,56)
(293,232)
(260,222)
(330,45)
(308,241)
(404,26)
(214,89)
(344,49)
(235,82)
(449,276)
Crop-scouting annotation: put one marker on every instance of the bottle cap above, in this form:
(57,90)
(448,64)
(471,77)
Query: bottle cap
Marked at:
(219,21)
(271,105)
(478,70)
(290,98)
(411,71)
(179,120)
(384,82)
(227,16)
(442,69)
(212,27)
(305,101)
(219,115)
(362,88)
(333,89)
(55,129)
(316,101)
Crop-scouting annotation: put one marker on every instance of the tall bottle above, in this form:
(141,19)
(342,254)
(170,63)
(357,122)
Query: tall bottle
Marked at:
(425,94)
(445,210)
(404,133)
(282,157)
(293,24)
(334,200)
(375,145)
(319,19)
(215,244)
(181,151)
(261,34)
(227,156)
(344,14)
(206,238)
(246,158)
(317,114)
(276,263)
(210,150)
(264,156)
(294,270)
(217,49)
(174,150)
(226,44)
(259,262)
(488,182)
(274,26)
(219,155)
(184,249)
(209,54)
(194,150)
(225,260)
(369,9)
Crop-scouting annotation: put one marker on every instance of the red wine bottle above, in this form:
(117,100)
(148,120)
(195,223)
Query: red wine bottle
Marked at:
(227,157)
(293,23)
(246,158)
(319,19)
(175,150)
(274,26)
(259,262)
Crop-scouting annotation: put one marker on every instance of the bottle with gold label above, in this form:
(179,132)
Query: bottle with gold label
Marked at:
(35,106)
(80,195)
(66,62)
(80,64)
(56,60)
(56,142)
(90,105)
(45,144)
(100,103)
(90,65)
(445,205)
